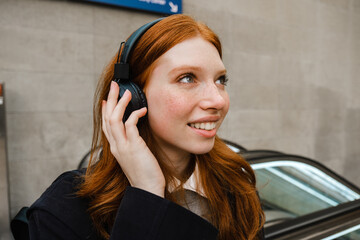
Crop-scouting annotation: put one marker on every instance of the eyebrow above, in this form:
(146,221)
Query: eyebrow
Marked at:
(190,67)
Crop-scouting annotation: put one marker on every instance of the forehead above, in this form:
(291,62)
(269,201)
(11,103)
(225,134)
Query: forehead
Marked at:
(195,52)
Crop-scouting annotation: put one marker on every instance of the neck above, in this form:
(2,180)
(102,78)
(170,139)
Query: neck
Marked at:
(178,163)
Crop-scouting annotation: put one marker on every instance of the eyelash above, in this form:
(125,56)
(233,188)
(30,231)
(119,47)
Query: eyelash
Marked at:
(186,75)
(223,79)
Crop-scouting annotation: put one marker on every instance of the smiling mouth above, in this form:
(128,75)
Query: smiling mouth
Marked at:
(204,125)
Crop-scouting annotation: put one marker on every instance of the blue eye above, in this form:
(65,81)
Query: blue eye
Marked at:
(188,78)
(222,80)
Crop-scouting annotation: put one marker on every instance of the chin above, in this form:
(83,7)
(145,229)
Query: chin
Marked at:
(202,148)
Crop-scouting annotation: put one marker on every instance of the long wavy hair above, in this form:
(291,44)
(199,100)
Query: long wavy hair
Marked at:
(227,179)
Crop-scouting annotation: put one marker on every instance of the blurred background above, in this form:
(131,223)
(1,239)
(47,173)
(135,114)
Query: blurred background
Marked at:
(294,69)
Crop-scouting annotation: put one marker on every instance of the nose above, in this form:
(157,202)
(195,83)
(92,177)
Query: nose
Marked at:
(213,97)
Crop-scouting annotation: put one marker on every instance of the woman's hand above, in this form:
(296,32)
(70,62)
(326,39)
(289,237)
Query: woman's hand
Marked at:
(135,158)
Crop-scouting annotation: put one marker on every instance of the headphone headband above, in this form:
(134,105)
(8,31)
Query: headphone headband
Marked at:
(122,68)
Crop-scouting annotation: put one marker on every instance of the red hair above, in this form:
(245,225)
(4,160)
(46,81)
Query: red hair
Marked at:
(228,180)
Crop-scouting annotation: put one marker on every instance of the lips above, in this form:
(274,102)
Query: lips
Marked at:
(205,126)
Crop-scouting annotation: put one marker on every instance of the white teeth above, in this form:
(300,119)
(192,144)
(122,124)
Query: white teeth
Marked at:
(204,125)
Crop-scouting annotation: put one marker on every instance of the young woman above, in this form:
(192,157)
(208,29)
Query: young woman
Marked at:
(162,173)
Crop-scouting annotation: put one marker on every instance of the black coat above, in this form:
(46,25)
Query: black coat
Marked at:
(60,214)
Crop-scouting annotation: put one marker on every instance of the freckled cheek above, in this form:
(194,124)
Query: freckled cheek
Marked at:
(165,107)
(176,107)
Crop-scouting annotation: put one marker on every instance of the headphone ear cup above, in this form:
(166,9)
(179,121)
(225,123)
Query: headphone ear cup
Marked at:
(138,98)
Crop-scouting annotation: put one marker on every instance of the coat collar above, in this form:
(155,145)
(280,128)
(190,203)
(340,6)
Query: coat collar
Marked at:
(193,183)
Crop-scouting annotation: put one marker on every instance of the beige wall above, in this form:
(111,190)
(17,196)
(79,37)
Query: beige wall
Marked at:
(293,68)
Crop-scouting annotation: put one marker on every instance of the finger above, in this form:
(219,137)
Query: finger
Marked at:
(105,124)
(109,108)
(115,123)
(103,112)
(105,127)
(117,132)
(112,99)
(120,108)
(132,132)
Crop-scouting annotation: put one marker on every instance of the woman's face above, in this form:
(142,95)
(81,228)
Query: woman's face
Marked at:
(187,100)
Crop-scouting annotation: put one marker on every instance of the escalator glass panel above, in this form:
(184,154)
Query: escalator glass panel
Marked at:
(289,189)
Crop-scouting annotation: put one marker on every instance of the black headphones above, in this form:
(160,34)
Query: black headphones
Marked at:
(122,75)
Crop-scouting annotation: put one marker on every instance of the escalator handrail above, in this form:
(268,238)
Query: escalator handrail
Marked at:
(310,219)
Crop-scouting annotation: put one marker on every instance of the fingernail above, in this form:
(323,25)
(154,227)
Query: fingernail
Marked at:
(112,84)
